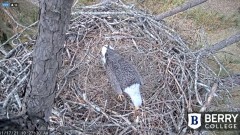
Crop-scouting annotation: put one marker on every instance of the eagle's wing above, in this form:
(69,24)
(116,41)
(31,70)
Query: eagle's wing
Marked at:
(127,75)
(112,77)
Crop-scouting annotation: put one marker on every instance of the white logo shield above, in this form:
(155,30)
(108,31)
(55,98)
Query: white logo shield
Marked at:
(194,120)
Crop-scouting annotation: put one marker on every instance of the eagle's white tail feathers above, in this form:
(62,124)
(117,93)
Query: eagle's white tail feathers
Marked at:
(134,92)
(104,51)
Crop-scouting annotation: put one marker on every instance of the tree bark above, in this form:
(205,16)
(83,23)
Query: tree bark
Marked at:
(54,19)
(180,8)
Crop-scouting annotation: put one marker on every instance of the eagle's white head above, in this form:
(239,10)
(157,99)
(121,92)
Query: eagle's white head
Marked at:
(104,51)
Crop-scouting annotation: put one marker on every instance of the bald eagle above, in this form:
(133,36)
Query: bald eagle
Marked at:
(122,75)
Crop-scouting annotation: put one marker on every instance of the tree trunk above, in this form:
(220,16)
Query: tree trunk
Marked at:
(47,59)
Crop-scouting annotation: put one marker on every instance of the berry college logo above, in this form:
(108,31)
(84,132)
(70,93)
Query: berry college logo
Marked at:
(194,120)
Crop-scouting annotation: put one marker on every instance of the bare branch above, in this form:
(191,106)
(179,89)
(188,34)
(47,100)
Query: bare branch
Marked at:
(14,90)
(18,34)
(209,99)
(180,8)
(220,45)
(2,50)
(233,79)
(18,24)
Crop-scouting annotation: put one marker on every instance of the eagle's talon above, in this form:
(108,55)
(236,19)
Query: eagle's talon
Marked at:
(136,112)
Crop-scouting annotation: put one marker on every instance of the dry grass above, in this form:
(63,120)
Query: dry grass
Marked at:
(213,20)
(176,81)
(157,6)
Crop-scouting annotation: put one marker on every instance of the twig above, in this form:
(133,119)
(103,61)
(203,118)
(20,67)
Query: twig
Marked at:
(18,24)
(196,80)
(209,99)
(15,90)
(18,34)
(2,50)
(99,13)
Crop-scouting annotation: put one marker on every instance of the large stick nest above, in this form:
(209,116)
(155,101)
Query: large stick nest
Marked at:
(175,81)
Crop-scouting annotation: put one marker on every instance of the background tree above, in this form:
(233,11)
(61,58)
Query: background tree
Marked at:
(47,59)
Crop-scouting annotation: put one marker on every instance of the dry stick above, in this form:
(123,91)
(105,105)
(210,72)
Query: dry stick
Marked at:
(83,96)
(18,24)
(15,36)
(125,119)
(98,109)
(182,115)
(178,9)
(209,99)
(74,3)
(101,13)
(107,1)
(14,90)
(235,78)
(196,80)
(2,50)
(220,45)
